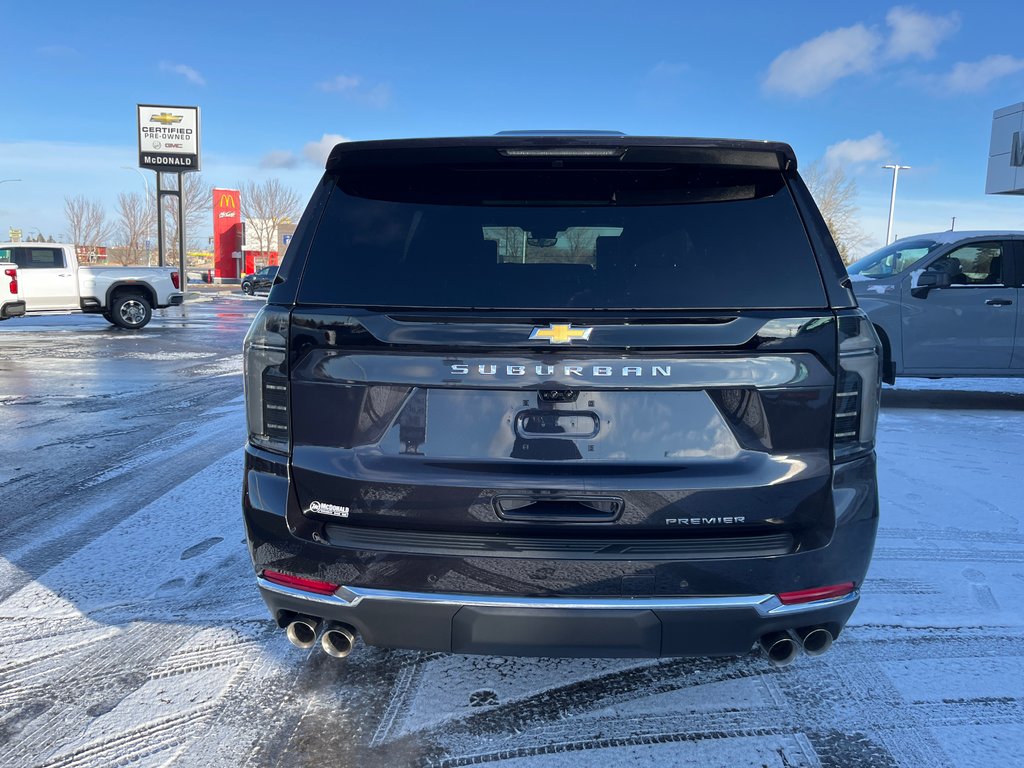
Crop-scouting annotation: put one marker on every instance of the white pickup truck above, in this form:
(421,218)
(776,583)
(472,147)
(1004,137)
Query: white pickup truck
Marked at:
(50,280)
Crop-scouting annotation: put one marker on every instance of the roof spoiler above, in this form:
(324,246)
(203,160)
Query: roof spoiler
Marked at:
(492,150)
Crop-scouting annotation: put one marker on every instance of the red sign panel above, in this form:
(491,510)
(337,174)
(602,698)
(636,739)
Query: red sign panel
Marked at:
(227,233)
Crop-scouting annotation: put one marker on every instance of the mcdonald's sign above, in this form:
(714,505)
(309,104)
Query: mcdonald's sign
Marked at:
(227,232)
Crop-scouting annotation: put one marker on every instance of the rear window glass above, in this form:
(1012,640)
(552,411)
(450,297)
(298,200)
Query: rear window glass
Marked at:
(671,238)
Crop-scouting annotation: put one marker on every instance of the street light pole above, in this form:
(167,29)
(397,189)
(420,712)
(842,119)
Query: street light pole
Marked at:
(4,181)
(892,200)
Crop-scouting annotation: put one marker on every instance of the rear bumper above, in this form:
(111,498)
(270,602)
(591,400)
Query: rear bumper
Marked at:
(177,299)
(565,627)
(541,604)
(12,309)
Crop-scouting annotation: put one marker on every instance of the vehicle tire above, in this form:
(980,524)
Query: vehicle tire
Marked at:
(131,311)
(247,289)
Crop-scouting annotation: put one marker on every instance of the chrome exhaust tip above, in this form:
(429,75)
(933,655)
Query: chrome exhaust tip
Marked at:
(780,649)
(338,640)
(815,640)
(302,631)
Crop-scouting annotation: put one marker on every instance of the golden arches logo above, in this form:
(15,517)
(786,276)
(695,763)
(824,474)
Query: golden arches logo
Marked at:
(227,201)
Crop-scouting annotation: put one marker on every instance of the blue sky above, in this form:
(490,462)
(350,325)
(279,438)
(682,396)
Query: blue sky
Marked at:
(856,85)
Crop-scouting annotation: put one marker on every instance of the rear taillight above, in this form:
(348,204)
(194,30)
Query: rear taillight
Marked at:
(176,279)
(266,379)
(858,387)
(13,274)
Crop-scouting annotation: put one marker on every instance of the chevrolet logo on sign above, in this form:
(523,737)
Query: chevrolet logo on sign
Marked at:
(561,334)
(166,118)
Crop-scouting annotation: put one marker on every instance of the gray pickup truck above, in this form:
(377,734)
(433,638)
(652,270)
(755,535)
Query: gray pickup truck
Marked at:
(947,303)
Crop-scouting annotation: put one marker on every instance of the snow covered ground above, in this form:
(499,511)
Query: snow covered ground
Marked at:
(150,645)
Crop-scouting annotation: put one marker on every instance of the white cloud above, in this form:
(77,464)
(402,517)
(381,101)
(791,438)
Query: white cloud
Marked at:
(355,88)
(185,71)
(857,151)
(377,96)
(976,75)
(280,158)
(668,69)
(917,34)
(316,152)
(340,83)
(813,66)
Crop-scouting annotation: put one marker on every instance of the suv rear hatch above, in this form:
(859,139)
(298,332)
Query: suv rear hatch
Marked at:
(617,354)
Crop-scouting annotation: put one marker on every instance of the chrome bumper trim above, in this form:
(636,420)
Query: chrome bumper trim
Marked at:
(765,605)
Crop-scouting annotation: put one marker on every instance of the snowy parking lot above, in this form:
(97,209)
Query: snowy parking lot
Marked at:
(133,633)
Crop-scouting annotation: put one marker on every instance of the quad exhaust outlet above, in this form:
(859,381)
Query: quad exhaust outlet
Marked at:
(302,631)
(338,640)
(815,640)
(780,648)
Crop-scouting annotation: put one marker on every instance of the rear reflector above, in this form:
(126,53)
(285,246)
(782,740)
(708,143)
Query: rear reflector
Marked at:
(297,582)
(817,593)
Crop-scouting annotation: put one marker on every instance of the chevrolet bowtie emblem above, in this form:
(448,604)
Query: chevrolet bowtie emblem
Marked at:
(166,118)
(561,334)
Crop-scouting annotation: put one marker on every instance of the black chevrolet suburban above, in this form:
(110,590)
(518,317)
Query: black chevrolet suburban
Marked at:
(562,394)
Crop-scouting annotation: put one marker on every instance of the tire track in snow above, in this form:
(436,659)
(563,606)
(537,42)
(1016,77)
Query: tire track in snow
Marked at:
(854,673)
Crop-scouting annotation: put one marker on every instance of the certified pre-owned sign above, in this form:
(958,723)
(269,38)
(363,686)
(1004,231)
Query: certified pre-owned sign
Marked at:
(168,138)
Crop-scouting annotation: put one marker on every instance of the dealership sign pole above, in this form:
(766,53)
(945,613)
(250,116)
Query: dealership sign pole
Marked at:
(169,143)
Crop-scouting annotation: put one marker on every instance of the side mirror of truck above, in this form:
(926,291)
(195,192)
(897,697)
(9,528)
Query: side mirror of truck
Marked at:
(926,281)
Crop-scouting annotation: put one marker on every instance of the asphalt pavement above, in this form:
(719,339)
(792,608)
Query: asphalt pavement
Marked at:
(131,631)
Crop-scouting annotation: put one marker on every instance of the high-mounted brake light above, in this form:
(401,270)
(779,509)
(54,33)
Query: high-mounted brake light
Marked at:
(297,582)
(816,593)
(13,274)
(564,152)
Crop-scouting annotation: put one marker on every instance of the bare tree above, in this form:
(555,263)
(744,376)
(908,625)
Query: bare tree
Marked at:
(581,243)
(87,221)
(835,194)
(197,201)
(510,242)
(134,223)
(266,206)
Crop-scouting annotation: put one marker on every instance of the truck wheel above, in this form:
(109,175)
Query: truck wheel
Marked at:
(130,311)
